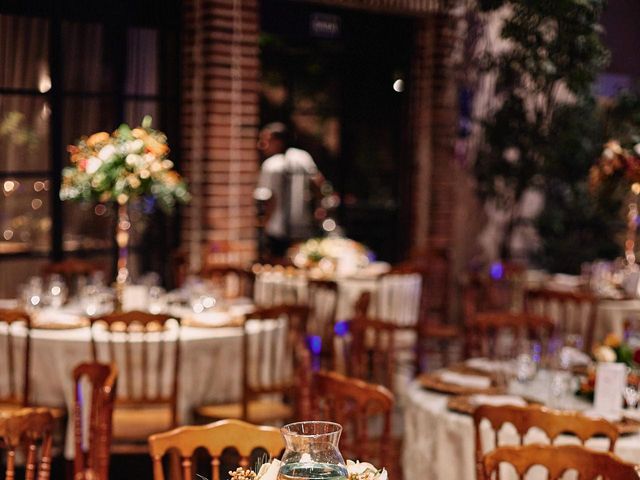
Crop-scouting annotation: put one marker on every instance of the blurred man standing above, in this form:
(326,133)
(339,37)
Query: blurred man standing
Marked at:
(288,174)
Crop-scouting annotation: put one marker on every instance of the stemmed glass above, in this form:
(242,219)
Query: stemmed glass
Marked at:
(630,392)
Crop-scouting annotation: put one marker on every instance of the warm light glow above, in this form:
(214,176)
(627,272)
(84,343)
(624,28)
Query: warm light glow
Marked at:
(9,186)
(100,209)
(329,225)
(44,83)
(398,85)
(36,203)
(8,234)
(38,186)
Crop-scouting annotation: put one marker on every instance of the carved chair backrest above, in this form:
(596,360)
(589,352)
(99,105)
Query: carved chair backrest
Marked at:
(28,430)
(15,355)
(552,422)
(214,438)
(589,464)
(95,392)
(356,405)
(146,349)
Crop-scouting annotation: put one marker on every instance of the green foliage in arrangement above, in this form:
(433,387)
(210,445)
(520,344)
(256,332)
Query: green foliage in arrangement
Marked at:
(547,131)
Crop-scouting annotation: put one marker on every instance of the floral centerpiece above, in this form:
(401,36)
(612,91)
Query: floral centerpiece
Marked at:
(269,471)
(613,349)
(618,172)
(116,168)
(330,255)
(126,164)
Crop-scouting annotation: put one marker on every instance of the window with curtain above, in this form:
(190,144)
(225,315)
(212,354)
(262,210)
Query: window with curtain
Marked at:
(62,77)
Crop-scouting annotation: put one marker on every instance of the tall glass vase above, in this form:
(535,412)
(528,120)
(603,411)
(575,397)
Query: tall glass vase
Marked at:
(123,227)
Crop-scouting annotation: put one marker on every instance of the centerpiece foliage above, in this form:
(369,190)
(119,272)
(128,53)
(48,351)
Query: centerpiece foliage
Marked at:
(121,166)
(546,132)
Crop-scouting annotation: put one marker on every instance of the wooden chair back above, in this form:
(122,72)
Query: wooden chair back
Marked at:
(271,337)
(552,422)
(574,312)
(353,404)
(232,281)
(215,438)
(323,303)
(29,430)
(399,298)
(589,464)
(93,441)
(278,285)
(146,350)
(15,352)
(371,352)
(486,330)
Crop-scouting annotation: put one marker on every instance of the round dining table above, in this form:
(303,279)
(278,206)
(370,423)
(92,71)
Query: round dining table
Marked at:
(439,444)
(209,367)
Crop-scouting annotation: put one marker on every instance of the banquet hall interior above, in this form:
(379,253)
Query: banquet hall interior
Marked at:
(319,239)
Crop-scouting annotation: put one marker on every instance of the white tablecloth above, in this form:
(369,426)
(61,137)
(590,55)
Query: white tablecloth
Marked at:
(440,444)
(210,367)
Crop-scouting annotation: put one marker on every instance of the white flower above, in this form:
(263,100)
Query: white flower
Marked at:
(93,164)
(106,152)
(269,471)
(604,354)
(133,159)
(135,146)
(364,471)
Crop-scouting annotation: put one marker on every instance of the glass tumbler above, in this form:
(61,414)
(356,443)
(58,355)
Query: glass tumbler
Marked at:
(311,452)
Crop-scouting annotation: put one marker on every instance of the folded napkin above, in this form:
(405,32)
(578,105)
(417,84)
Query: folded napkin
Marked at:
(609,416)
(497,400)
(572,357)
(483,364)
(462,380)
(631,414)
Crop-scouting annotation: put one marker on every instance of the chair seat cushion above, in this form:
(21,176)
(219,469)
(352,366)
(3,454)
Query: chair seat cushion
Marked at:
(137,423)
(258,411)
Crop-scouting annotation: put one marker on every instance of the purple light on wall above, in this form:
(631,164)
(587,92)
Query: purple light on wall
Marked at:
(496,271)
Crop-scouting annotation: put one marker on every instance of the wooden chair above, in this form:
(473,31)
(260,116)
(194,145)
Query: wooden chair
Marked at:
(485,331)
(574,312)
(552,422)
(323,304)
(589,464)
(273,363)
(15,351)
(278,285)
(145,404)
(356,405)
(93,441)
(29,430)
(215,438)
(233,281)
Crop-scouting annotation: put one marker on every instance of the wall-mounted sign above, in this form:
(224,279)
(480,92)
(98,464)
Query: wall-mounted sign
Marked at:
(325,25)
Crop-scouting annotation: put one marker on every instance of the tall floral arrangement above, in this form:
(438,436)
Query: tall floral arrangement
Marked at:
(126,164)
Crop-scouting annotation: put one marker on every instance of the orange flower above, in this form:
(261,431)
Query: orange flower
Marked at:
(96,138)
(612,340)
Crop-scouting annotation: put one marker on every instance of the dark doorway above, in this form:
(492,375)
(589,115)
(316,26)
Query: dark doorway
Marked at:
(339,79)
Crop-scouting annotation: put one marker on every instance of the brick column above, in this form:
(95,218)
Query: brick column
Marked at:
(434,118)
(220,86)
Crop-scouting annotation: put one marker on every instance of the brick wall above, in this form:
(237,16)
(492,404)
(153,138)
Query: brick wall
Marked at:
(220,84)
(434,116)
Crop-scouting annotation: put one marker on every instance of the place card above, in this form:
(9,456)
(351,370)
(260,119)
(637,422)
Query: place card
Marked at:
(135,297)
(611,379)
